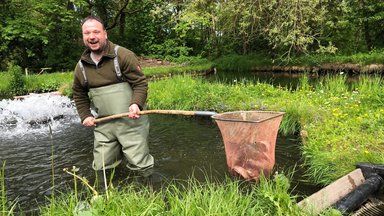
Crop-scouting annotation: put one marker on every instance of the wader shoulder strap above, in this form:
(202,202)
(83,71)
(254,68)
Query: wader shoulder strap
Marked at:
(115,63)
(117,66)
(83,72)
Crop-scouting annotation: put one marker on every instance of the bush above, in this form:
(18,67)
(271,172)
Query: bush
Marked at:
(17,80)
(169,50)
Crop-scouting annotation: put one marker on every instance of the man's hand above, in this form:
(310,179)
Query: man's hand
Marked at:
(134,111)
(89,122)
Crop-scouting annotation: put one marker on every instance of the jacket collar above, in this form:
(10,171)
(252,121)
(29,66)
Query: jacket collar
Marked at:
(108,53)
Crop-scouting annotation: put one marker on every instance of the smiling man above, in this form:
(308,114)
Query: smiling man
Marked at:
(110,78)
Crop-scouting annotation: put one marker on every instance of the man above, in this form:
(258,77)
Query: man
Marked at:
(109,77)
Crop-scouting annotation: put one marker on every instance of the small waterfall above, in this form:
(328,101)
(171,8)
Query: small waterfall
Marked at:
(33,113)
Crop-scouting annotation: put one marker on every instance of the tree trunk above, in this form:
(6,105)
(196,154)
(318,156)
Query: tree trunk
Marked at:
(122,24)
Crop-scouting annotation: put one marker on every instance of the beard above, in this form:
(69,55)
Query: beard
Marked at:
(97,47)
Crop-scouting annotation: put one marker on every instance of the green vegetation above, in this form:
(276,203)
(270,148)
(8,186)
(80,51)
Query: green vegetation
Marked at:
(45,33)
(341,125)
(372,57)
(12,85)
(6,208)
(16,83)
(249,62)
(231,197)
(181,66)
(49,82)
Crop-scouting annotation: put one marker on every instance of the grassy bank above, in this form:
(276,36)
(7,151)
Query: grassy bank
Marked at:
(250,62)
(15,83)
(269,197)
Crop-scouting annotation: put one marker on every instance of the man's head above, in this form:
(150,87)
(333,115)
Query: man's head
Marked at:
(94,34)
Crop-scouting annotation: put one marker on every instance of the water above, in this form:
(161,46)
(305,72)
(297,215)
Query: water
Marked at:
(181,146)
(283,79)
(287,80)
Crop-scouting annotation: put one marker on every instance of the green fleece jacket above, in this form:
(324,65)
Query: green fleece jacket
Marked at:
(104,74)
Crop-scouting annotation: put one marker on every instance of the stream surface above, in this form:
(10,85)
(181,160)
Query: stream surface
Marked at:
(42,131)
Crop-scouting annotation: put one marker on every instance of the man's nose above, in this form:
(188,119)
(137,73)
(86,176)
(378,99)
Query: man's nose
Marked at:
(92,35)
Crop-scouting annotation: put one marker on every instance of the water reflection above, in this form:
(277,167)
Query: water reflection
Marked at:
(286,80)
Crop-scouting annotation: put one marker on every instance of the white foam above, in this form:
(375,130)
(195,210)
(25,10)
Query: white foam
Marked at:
(35,113)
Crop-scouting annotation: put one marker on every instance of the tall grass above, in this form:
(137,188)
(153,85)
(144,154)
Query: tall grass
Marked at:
(193,66)
(373,57)
(2,180)
(190,197)
(52,200)
(35,83)
(6,208)
(238,63)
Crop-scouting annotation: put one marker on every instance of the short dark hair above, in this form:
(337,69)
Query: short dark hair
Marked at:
(92,17)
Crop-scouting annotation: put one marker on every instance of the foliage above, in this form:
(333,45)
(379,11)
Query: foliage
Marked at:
(35,83)
(241,62)
(17,80)
(373,57)
(49,82)
(46,33)
(231,197)
(168,50)
(26,28)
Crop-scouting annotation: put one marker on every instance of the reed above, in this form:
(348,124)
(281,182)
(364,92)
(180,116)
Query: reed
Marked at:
(373,57)
(191,197)
(3,199)
(7,209)
(52,200)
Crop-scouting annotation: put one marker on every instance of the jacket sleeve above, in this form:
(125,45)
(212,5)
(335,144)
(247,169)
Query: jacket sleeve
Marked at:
(135,77)
(80,96)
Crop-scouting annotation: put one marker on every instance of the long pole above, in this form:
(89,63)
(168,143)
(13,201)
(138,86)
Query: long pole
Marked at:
(167,112)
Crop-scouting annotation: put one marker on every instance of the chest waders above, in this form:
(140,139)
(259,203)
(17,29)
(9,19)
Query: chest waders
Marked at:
(122,137)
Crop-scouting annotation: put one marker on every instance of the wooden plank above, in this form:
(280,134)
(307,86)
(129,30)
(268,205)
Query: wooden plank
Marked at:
(329,195)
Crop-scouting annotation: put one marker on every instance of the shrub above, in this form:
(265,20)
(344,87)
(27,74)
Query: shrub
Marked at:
(17,80)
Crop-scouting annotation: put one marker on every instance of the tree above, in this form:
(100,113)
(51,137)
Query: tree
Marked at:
(26,29)
(368,16)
